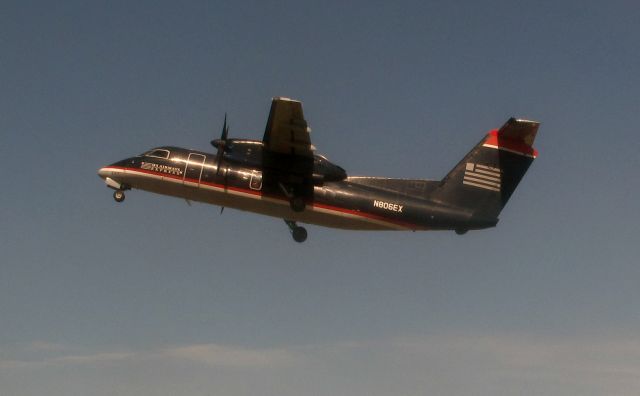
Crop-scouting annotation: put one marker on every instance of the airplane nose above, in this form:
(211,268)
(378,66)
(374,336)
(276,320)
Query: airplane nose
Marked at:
(102,172)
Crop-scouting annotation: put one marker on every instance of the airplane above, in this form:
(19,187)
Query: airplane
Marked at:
(282,176)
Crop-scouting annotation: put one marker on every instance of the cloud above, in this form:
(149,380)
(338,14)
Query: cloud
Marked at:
(92,358)
(425,364)
(519,364)
(532,353)
(64,358)
(204,354)
(45,346)
(220,355)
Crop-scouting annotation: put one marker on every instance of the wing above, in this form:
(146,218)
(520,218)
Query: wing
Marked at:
(287,131)
(287,155)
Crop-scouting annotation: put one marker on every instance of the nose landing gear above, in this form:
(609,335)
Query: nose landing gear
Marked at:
(118,195)
(298,233)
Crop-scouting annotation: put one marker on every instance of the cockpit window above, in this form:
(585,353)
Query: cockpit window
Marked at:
(158,153)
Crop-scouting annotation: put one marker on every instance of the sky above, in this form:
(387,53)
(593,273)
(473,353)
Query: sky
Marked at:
(155,297)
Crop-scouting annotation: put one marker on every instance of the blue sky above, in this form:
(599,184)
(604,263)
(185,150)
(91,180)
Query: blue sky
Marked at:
(153,297)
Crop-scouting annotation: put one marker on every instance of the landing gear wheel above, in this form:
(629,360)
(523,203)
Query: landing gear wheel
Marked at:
(299,234)
(297,204)
(118,195)
(461,231)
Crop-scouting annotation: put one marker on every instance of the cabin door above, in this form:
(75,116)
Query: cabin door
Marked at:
(193,170)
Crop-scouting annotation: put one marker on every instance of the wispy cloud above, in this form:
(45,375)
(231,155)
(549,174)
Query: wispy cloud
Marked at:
(45,346)
(205,354)
(93,358)
(529,353)
(60,355)
(435,364)
(220,355)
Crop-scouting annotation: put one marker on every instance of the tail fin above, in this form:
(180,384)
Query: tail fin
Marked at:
(487,176)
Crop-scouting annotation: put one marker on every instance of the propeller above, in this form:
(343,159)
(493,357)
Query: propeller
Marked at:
(221,143)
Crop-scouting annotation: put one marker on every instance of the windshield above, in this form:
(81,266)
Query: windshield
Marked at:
(158,153)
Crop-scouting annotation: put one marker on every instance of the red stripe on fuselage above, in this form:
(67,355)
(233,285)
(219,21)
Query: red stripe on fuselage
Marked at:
(279,198)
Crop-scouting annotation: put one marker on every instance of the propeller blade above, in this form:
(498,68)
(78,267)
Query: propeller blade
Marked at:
(225,129)
(219,159)
(221,209)
(221,144)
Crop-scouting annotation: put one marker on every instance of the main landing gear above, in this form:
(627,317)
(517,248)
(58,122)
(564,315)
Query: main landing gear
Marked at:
(296,203)
(298,233)
(118,195)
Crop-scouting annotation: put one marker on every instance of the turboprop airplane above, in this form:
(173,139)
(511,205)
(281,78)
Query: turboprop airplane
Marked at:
(282,176)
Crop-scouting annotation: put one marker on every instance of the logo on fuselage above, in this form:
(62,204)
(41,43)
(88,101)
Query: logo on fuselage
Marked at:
(394,207)
(172,170)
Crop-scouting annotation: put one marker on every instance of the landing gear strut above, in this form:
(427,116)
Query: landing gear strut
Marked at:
(118,195)
(298,233)
(296,203)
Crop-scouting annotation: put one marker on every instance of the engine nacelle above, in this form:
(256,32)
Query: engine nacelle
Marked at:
(325,171)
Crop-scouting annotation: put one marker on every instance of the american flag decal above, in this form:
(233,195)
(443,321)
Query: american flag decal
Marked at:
(482,176)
